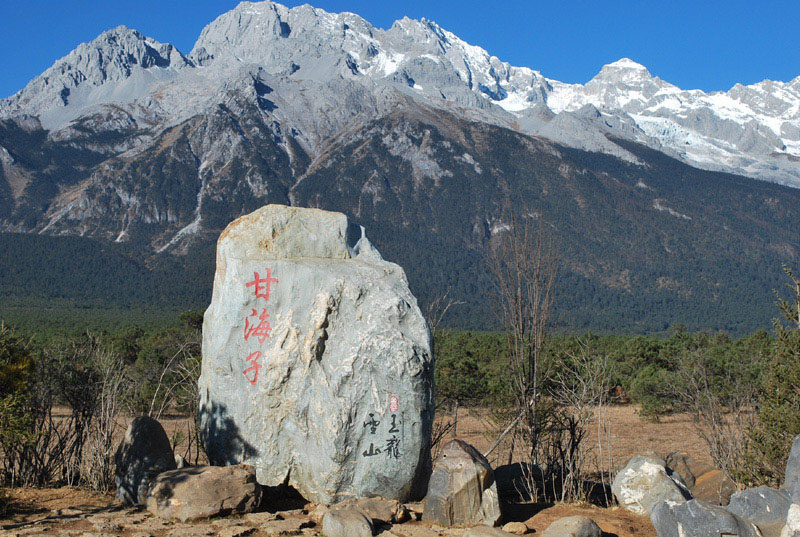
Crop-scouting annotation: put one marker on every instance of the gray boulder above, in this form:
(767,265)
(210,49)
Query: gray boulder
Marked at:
(462,489)
(316,360)
(698,519)
(766,507)
(791,481)
(346,522)
(145,452)
(573,526)
(198,492)
(644,482)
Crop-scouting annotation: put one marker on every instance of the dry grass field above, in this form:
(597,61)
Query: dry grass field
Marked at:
(73,511)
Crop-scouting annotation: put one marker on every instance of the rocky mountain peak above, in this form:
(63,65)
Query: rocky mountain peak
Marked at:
(112,57)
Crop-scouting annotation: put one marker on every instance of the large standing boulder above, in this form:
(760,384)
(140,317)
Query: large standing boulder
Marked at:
(766,507)
(704,481)
(462,490)
(204,491)
(644,482)
(698,519)
(316,360)
(144,453)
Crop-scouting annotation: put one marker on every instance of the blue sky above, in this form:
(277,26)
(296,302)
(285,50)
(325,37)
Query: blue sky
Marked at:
(706,45)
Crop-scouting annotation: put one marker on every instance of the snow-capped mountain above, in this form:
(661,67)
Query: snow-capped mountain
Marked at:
(752,130)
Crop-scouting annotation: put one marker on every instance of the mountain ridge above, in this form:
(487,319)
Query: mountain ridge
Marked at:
(404,130)
(752,130)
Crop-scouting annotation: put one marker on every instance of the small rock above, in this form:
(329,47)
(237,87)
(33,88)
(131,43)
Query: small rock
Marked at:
(204,491)
(792,528)
(791,481)
(346,523)
(698,519)
(378,509)
(318,513)
(462,489)
(573,526)
(517,528)
(485,531)
(766,507)
(644,482)
(144,453)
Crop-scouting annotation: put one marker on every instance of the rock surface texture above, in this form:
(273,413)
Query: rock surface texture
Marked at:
(644,482)
(144,453)
(573,526)
(704,482)
(316,360)
(699,519)
(203,491)
(766,507)
(462,488)
(346,522)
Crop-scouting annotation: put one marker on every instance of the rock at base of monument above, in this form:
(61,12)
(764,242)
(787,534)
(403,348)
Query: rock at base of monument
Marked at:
(381,511)
(462,489)
(199,492)
(695,518)
(766,507)
(144,453)
(346,522)
(645,482)
(704,482)
(517,528)
(317,367)
(573,526)
(485,531)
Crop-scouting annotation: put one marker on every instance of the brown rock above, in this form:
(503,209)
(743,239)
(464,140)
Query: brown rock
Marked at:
(378,509)
(517,528)
(203,491)
(704,482)
(461,490)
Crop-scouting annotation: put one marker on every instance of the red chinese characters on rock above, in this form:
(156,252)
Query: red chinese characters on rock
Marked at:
(262,285)
(252,359)
(260,328)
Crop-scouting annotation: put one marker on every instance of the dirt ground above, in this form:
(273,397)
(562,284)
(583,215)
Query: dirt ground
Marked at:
(628,435)
(69,512)
(72,512)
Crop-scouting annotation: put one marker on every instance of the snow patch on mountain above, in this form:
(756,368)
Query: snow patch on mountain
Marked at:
(304,54)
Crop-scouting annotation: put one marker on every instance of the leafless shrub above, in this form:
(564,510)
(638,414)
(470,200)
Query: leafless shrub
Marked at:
(721,401)
(97,464)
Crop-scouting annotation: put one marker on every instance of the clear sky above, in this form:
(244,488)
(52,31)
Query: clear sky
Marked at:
(695,44)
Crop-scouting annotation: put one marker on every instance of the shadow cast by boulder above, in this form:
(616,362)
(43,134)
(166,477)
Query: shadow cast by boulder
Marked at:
(221,437)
